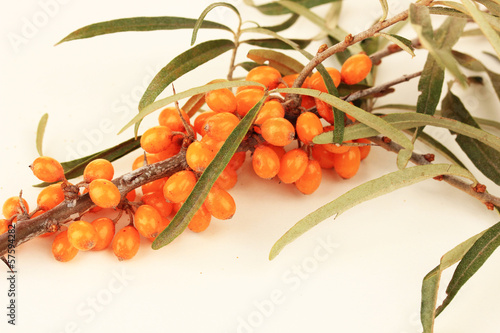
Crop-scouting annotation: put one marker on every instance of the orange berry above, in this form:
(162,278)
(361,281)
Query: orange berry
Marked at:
(131,195)
(146,221)
(179,186)
(237,160)
(82,235)
(308,126)
(47,169)
(311,179)
(162,226)
(364,150)
(228,178)
(324,110)
(154,186)
(105,231)
(4,226)
(139,161)
(220,203)
(62,249)
(221,100)
(265,162)
(98,169)
(212,144)
(219,126)
(126,243)
(200,121)
(157,201)
(280,151)
(278,131)
(201,220)
(323,156)
(50,197)
(293,165)
(104,193)
(316,81)
(270,109)
(170,118)
(347,164)
(246,99)
(356,68)
(156,139)
(199,156)
(12,206)
(267,75)
(173,148)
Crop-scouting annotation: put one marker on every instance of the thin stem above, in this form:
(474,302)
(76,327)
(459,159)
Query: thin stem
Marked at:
(232,66)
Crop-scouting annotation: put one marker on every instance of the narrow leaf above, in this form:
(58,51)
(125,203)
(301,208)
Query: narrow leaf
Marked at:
(472,261)
(74,168)
(402,42)
(364,192)
(404,121)
(421,22)
(430,283)
(199,23)
(285,64)
(183,64)
(188,93)
(272,43)
(275,8)
(385,9)
(473,64)
(485,158)
(488,31)
(139,24)
(40,132)
(493,6)
(207,179)
(285,25)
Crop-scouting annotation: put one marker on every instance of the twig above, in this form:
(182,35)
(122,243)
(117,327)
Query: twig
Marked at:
(369,91)
(486,198)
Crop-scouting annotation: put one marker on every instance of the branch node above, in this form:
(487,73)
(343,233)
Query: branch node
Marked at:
(479,188)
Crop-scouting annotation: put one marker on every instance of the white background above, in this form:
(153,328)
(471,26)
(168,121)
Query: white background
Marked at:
(359,273)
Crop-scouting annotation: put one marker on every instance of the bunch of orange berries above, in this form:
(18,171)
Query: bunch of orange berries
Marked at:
(270,140)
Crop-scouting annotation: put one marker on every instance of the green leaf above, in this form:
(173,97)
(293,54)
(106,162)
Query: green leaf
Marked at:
(402,42)
(201,19)
(275,8)
(485,158)
(248,65)
(404,121)
(484,25)
(185,94)
(492,20)
(385,9)
(366,119)
(472,261)
(139,24)
(285,25)
(303,11)
(183,64)
(421,22)
(40,133)
(272,43)
(430,283)
(207,179)
(74,168)
(447,11)
(494,7)
(285,64)
(364,192)
(473,64)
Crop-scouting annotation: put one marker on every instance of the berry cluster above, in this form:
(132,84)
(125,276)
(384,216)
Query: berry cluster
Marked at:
(270,141)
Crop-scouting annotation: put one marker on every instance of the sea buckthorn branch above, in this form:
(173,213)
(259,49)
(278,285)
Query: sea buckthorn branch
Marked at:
(391,49)
(478,192)
(342,45)
(29,229)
